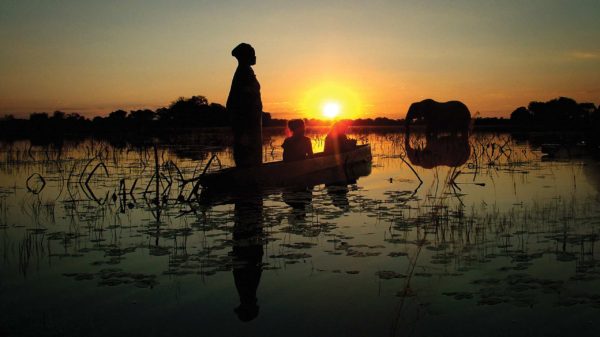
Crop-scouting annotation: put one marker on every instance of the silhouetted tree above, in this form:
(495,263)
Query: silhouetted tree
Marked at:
(185,111)
(586,112)
(75,117)
(58,115)
(266,118)
(218,115)
(163,114)
(118,115)
(38,117)
(595,120)
(193,112)
(559,113)
(144,116)
(522,117)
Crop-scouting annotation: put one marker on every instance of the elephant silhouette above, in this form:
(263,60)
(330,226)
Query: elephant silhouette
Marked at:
(452,116)
(450,150)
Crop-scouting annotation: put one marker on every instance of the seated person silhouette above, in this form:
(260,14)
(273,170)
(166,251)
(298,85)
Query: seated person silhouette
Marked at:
(298,146)
(337,141)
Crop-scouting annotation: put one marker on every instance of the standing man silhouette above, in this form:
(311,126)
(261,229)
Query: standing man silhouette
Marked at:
(244,105)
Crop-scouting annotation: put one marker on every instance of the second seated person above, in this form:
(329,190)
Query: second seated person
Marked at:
(337,141)
(298,146)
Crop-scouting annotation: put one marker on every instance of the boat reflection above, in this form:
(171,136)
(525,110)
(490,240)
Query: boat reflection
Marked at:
(336,180)
(298,198)
(439,150)
(339,196)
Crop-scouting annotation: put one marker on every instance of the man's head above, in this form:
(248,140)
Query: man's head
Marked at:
(245,54)
(296,126)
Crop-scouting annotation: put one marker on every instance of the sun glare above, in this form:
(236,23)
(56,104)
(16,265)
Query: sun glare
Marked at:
(331,100)
(331,109)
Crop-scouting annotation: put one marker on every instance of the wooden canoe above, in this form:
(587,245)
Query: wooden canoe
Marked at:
(280,173)
(335,176)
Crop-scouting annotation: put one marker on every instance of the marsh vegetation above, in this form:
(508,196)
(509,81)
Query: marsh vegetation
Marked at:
(105,239)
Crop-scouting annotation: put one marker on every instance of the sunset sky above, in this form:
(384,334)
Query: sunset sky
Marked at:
(372,57)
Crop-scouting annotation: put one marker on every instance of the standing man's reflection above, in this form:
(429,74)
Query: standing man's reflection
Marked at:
(247,253)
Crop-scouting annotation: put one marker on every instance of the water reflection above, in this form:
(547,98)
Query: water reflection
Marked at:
(338,193)
(336,181)
(299,199)
(591,169)
(451,150)
(522,244)
(247,253)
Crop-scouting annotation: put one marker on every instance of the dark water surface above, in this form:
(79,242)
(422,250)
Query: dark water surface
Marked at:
(496,241)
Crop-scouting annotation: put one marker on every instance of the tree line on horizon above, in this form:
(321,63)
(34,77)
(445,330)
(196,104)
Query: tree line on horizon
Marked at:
(195,112)
(561,113)
(184,112)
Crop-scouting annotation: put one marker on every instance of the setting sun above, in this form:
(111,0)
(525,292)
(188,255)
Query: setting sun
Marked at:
(331,100)
(331,109)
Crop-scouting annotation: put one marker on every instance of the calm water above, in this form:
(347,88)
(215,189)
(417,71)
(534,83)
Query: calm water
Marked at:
(501,242)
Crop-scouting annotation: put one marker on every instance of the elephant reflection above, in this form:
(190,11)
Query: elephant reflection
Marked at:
(449,150)
(452,116)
